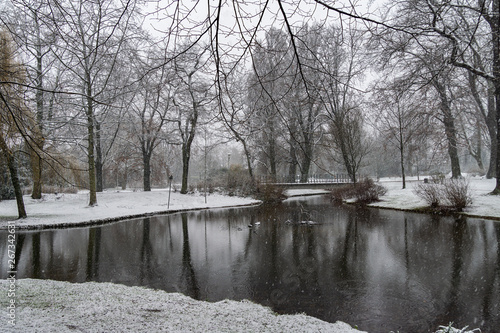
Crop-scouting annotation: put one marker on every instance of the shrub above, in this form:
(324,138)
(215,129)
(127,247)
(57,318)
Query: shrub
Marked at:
(365,192)
(270,193)
(449,193)
(430,193)
(341,193)
(458,193)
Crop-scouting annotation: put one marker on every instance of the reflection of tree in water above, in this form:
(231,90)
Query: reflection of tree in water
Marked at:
(490,306)
(350,243)
(458,233)
(19,248)
(146,272)
(454,305)
(93,250)
(285,265)
(188,274)
(35,243)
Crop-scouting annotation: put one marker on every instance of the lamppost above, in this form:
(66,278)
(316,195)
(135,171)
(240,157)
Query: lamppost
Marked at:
(169,189)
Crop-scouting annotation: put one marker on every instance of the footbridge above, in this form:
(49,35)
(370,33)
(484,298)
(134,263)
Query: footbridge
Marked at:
(316,181)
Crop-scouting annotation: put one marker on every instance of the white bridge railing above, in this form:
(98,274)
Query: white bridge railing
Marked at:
(311,179)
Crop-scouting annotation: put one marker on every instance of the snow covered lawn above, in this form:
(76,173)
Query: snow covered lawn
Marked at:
(484,205)
(53,306)
(61,210)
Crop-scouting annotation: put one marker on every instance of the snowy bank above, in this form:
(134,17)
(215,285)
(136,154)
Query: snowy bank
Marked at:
(53,306)
(65,210)
(484,205)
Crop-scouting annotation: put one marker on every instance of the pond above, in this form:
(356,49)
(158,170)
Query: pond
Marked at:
(380,270)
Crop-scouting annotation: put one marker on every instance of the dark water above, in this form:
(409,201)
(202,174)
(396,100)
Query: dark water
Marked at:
(377,269)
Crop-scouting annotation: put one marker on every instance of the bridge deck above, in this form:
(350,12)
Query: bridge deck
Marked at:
(314,181)
(323,185)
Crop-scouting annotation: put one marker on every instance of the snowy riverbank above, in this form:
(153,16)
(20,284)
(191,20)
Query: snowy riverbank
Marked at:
(54,306)
(64,210)
(484,205)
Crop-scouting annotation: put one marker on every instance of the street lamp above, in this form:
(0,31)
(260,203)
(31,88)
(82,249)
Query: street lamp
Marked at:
(169,189)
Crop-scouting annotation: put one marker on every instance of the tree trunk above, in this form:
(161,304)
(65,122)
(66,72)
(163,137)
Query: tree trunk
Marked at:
(479,147)
(249,162)
(11,163)
(493,156)
(402,158)
(146,159)
(36,166)
(36,159)
(492,131)
(292,168)
(98,158)
(272,158)
(186,155)
(90,147)
(496,75)
(449,129)
(451,136)
(306,163)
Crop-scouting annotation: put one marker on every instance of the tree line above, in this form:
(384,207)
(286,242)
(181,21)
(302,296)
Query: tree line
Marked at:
(96,92)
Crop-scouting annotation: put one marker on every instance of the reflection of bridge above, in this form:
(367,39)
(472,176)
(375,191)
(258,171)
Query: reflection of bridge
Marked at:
(325,181)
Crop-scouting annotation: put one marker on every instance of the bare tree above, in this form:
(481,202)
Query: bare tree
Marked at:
(236,114)
(341,67)
(468,35)
(191,99)
(12,112)
(151,108)
(399,118)
(268,89)
(28,22)
(486,110)
(92,34)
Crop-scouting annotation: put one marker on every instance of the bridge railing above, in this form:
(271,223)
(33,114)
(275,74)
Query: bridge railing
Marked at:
(311,179)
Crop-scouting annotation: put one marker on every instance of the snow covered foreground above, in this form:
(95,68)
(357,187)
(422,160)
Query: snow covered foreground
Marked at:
(53,306)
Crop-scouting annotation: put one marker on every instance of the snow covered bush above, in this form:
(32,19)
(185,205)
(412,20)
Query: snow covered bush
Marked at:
(457,192)
(270,193)
(430,193)
(449,193)
(365,192)
(341,193)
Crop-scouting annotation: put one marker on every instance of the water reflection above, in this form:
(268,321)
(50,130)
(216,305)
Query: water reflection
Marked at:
(380,270)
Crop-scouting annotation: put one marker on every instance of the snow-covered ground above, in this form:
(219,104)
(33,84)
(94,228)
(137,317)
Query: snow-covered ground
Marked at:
(484,205)
(54,306)
(61,210)
(48,306)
